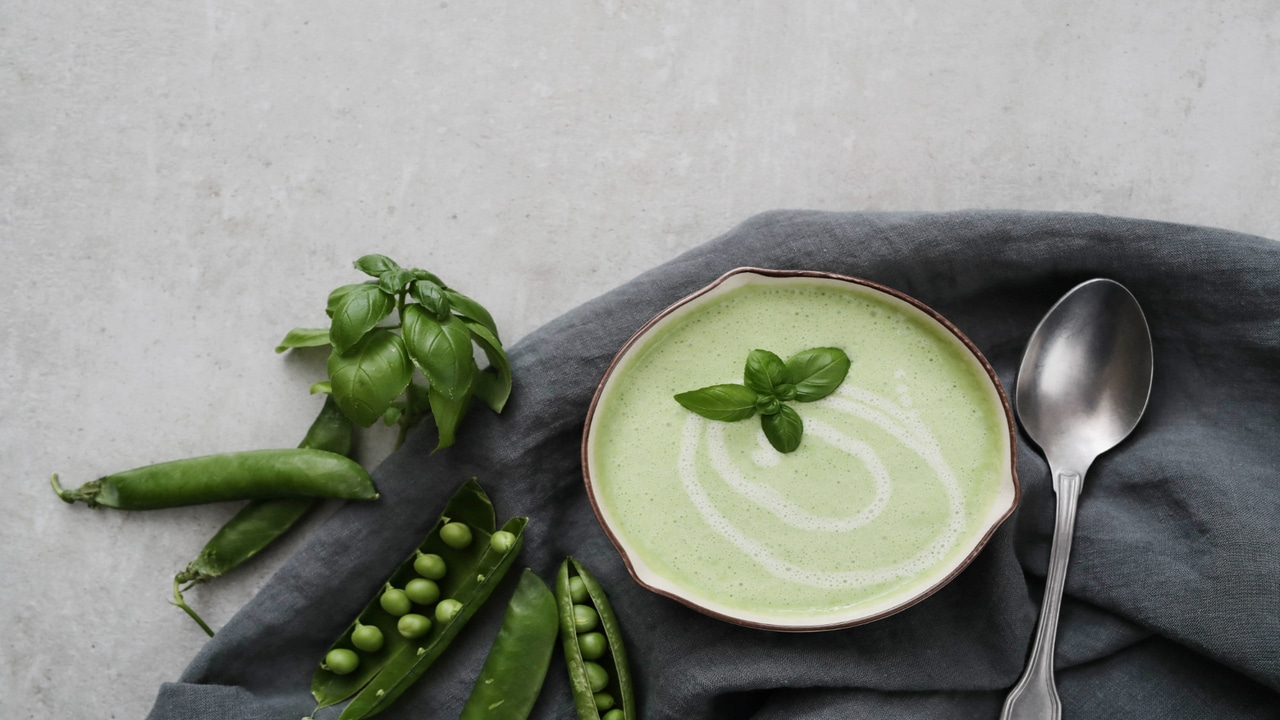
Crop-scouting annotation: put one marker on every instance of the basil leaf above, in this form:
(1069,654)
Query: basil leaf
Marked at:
(768,404)
(431,297)
(357,312)
(370,376)
(492,386)
(324,386)
(471,310)
(335,297)
(304,337)
(783,429)
(763,372)
(393,281)
(419,274)
(375,265)
(816,372)
(728,402)
(448,413)
(442,350)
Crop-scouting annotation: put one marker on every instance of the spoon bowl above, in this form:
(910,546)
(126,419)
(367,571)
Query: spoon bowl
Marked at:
(1086,375)
(1082,387)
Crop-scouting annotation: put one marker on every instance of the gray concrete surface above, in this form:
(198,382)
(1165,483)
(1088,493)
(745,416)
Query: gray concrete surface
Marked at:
(180,183)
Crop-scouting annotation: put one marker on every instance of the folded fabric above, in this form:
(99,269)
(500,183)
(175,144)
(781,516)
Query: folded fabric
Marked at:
(1172,605)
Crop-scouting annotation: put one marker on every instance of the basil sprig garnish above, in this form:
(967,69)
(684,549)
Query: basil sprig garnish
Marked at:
(768,385)
(374,355)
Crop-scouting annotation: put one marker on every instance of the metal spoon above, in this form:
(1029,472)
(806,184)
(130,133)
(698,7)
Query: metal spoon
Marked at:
(1082,387)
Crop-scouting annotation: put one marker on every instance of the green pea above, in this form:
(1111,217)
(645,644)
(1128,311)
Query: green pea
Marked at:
(577,589)
(367,638)
(341,661)
(447,610)
(502,541)
(422,591)
(413,626)
(614,714)
(429,566)
(592,645)
(597,676)
(585,618)
(604,701)
(395,602)
(456,535)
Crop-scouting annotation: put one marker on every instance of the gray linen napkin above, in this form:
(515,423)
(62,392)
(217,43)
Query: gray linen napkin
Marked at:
(1173,597)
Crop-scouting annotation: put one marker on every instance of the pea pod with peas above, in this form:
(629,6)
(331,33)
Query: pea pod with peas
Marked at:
(420,608)
(593,650)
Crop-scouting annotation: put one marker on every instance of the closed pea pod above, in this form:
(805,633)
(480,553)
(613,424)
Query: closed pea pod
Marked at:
(471,575)
(252,529)
(517,663)
(597,660)
(261,522)
(249,475)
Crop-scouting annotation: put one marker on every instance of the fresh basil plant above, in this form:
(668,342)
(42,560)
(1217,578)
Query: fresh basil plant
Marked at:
(402,319)
(768,385)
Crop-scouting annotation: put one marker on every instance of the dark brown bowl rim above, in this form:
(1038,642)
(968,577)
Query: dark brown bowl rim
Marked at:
(991,373)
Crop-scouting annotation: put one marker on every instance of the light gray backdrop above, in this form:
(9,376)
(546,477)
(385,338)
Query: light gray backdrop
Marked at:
(180,183)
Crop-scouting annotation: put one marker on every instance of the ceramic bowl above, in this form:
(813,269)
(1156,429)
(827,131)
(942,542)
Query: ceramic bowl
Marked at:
(826,597)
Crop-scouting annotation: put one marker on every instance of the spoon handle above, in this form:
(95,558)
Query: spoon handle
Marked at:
(1035,697)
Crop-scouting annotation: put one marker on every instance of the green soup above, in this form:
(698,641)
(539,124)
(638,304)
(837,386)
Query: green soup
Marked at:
(901,472)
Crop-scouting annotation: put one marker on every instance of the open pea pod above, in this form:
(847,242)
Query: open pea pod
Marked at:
(473,573)
(589,694)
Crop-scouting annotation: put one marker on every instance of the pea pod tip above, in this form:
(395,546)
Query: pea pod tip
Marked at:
(66,495)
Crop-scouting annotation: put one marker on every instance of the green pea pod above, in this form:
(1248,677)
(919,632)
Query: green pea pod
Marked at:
(260,522)
(614,662)
(513,673)
(250,475)
(473,572)
(256,526)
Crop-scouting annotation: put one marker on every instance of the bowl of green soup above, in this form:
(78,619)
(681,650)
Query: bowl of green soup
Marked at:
(804,491)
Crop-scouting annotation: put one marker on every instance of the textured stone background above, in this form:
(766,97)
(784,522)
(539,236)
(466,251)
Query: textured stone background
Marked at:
(181,183)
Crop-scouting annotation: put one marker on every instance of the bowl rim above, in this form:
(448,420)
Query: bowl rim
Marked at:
(1010,424)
